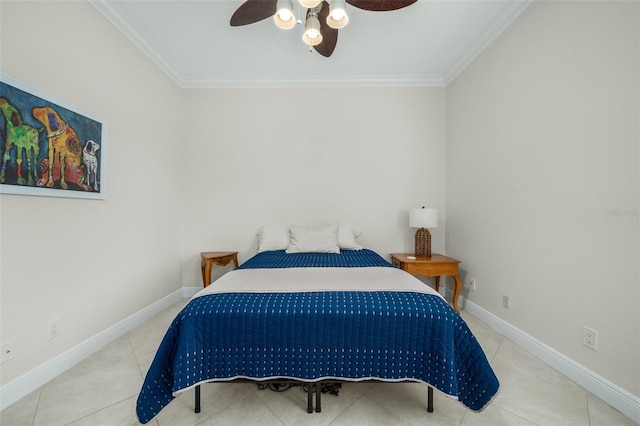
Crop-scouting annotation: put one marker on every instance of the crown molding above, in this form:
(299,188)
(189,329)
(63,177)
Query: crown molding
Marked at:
(312,81)
(500,23)
(490,33)
(227,82)
(111,13)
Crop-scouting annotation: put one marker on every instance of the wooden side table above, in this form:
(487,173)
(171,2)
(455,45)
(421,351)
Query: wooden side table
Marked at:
(431,266)
(221,258)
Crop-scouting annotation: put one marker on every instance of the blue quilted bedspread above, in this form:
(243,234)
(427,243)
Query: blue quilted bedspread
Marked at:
(347,335)
(345,259)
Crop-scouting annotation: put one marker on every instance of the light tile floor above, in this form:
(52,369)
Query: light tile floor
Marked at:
(102,390)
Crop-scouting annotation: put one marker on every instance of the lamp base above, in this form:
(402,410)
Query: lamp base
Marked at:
(423,243)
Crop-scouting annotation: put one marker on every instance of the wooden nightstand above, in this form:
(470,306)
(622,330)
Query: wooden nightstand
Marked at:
(431,266)
(221,258)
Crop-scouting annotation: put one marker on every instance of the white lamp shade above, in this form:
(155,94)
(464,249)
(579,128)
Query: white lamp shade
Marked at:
(423,218)
(337,17)
(312,34)
(282,23)
(284,8)
(336,25)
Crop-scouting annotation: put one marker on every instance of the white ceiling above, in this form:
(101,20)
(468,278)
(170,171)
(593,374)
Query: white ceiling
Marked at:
(426,44)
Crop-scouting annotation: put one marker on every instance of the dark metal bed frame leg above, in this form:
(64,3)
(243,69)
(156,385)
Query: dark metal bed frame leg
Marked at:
(318,396)
(310,388)
(317,388)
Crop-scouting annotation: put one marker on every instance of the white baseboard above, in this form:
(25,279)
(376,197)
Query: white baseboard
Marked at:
(190,291)
(614,395)
(32,380)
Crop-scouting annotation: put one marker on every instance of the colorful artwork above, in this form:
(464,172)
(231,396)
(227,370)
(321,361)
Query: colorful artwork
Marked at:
(48,148)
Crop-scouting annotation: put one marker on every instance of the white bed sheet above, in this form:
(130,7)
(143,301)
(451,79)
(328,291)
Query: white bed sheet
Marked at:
(288,280)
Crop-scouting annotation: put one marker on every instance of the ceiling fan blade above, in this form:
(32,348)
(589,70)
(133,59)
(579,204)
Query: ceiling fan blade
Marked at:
(252,11)
(329,35)
(380,5)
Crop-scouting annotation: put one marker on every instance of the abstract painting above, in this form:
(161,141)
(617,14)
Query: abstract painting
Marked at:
(48,147)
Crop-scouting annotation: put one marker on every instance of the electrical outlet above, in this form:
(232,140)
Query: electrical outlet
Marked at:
(54,329)
(590,338)
(7,352)
(506,303)
(472,284)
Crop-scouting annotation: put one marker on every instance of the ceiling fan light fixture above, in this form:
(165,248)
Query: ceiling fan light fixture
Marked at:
(310,4)
(337,17)
(322,36)
(284,17)
(312,35)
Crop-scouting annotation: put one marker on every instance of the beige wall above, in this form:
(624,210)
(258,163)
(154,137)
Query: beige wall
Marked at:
(542,180)
(257,156)
(230,161)
(89,263)
(541,141)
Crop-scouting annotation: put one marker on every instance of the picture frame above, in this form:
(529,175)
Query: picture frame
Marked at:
(49,147)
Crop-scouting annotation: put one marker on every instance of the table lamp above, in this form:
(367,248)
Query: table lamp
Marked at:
(422,219)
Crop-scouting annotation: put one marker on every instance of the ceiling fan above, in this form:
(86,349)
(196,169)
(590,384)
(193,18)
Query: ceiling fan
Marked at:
(323,20)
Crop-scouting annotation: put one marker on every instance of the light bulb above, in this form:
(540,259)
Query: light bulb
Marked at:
(338,14)
(312,35)
(338,17)
(284,16)
(337,9)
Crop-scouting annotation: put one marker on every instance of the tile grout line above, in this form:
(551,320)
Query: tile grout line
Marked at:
(35,412)
(233,405)
(97,411)
(269,408)
(586,396)
(135,355)
(345,409)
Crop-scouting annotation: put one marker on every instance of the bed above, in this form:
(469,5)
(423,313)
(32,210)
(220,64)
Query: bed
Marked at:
(313,317)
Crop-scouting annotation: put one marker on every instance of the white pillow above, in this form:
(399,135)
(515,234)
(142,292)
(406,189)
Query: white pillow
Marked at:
(273,237)
(347,235)
(319,239)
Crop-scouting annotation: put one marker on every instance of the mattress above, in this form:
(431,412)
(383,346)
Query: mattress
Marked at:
(314,321)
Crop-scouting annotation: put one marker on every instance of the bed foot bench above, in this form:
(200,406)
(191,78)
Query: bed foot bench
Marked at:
(314,387)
